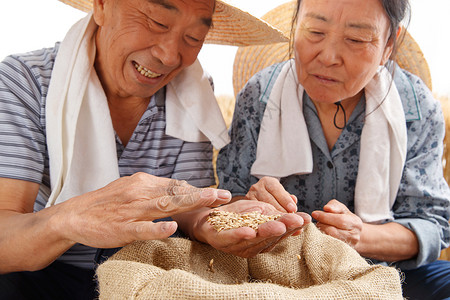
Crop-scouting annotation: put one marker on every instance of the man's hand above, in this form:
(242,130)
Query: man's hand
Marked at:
(123,211)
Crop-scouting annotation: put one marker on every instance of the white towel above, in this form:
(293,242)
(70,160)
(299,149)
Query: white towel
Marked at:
(193,114)
(284,147)
(80,135)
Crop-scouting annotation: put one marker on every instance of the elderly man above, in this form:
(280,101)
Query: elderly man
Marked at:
(105,133)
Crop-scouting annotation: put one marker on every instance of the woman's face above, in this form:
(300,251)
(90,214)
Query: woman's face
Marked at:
(143,44)
(339,44)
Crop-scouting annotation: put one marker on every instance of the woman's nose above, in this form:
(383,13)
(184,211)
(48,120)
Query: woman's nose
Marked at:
(330,54)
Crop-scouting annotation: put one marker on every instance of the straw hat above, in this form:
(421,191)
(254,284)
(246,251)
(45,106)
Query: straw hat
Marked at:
(232,26)
(250,60)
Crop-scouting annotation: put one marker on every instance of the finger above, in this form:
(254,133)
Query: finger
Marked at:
(292,221)
(306,217)
(181,201)
(282,197)
(234,240)
(294,198)
(245,241)
(329,230)
(297,232)
(334,206)
(284,236)
(271,229)
(264,195)
(276,240)
(340,221)
(342,235)
(293,224)
(258,246)
(155,181)
(306,220)
(150,231)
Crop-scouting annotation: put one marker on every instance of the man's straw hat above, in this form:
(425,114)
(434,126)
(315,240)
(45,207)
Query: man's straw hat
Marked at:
(231,26)
(250,60)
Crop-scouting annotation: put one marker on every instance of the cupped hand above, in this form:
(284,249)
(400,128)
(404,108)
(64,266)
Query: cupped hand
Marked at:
(245,241)
(123,211)
(270,190)
(338,221)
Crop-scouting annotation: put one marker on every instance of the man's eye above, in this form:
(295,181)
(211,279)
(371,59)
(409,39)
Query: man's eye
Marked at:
(194,39)
(159,24)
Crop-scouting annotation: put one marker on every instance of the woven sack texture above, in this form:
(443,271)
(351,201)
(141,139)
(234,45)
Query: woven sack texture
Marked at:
(310,266)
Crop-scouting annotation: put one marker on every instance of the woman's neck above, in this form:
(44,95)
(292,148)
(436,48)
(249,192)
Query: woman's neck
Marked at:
(348,104)
(334,118)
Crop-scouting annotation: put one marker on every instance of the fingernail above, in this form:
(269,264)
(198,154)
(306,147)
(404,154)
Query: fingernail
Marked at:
(223,194)
(167,226)
(292,207)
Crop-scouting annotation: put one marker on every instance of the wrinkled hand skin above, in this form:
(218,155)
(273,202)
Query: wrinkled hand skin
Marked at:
(270,190)
(339,222)
(244,241)
(123,211)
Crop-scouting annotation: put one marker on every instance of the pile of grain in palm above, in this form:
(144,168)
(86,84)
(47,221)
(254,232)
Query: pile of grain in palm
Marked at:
(223,220)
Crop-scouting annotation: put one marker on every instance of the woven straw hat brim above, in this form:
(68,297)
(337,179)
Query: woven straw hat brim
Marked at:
(250,60)
(231,26)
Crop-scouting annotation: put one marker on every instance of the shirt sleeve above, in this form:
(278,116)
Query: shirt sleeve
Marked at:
(22,138)
(422,204)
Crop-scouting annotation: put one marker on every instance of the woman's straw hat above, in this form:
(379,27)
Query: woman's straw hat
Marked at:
(250,60)
(231,26)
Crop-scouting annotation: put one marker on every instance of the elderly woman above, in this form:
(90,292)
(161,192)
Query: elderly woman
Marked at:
(342,133)
(91,127)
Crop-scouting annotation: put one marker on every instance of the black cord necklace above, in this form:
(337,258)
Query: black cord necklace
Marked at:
(338,107)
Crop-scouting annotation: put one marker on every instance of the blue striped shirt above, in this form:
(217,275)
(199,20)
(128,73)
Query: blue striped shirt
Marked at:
(24,81)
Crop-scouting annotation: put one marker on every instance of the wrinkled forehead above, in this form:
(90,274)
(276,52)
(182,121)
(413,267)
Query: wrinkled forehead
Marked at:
(367,14)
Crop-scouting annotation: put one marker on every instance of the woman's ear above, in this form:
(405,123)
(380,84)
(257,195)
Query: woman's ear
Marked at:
(390,47)
(99,11)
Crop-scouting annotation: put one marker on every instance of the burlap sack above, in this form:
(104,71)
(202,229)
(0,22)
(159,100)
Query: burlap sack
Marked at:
(310,266)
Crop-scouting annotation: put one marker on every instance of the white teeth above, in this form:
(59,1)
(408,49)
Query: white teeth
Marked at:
(145,72)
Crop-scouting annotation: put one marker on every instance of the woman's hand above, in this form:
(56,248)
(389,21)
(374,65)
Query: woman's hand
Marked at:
(270,190)
(245,241)
(123,211)
(338,221)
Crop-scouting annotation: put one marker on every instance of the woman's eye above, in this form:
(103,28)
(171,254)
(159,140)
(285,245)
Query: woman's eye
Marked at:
(356,41)
(315,35)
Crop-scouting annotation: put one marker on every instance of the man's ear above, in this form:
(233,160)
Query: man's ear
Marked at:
(390,47)
(99,11)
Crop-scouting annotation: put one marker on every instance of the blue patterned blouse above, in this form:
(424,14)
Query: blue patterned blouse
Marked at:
(423,200)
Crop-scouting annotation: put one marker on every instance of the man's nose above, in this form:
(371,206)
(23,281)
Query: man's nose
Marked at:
(168,50)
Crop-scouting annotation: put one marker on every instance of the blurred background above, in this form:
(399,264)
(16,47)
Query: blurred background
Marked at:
(33,24)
